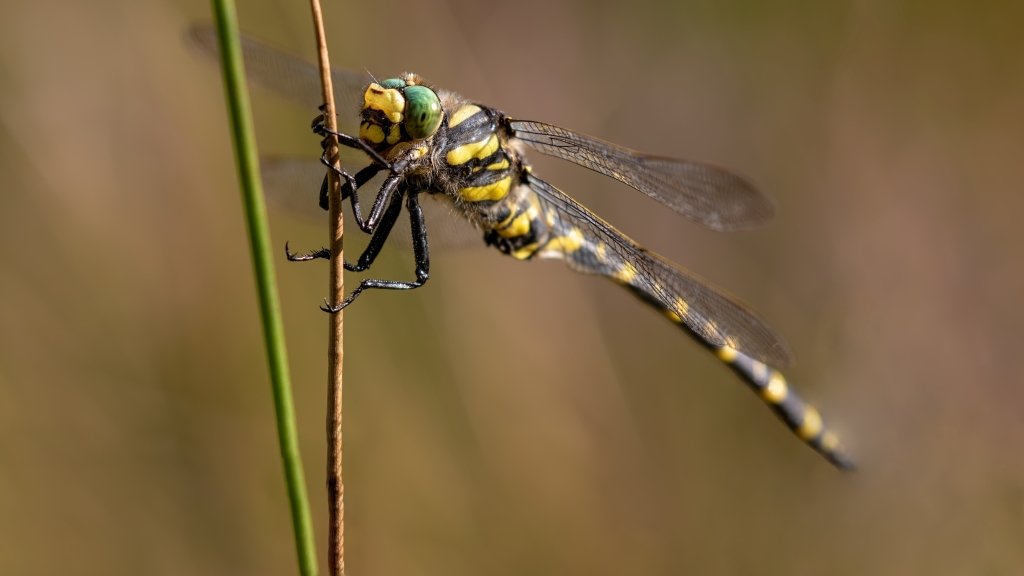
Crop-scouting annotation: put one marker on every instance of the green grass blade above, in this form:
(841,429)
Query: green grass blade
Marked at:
(259,238)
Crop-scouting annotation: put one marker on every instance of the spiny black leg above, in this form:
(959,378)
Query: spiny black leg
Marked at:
(421,254)
(380,236)
(324,253)
(420,246)
(349,188)
(380,204)
(372,250)
(320,118)
(384,195)
(381,223)
(320,128)
(330,165)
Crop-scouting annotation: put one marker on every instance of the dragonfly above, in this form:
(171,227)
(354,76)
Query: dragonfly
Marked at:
(428,142)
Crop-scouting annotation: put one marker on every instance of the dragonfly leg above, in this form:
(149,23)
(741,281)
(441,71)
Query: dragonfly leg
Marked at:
(379,238)
(348,190)
(421,254)
(324,253)
(369,255)
(330,165)
(320,129)
(384,195)
(381,203)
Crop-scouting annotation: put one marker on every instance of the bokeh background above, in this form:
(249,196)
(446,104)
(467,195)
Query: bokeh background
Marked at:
(511,418)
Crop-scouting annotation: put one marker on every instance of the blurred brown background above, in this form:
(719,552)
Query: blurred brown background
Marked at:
(510,418)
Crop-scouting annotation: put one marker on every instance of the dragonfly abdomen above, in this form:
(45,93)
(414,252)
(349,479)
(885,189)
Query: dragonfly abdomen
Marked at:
(769,384)
(593,256)
(803,419)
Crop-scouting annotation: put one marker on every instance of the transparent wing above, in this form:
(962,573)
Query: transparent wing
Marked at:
(292,186)
(707,194)
(710,314)
(287,75)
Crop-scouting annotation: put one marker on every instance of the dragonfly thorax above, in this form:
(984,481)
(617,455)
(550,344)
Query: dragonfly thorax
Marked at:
(399,110)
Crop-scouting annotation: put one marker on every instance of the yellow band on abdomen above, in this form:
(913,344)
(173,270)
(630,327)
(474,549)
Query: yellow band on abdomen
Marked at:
(493,191)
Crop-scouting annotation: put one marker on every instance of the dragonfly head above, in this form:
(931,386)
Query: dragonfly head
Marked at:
(399,110)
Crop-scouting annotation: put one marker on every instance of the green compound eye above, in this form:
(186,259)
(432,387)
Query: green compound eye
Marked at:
(422,112)
(393,83)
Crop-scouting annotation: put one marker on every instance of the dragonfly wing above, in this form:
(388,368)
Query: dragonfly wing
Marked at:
(738,337)
(285,74)
(705,193)
(711,314)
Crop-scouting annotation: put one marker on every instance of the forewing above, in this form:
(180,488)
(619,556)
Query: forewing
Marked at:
(710,314)
(287,75)
(707,194)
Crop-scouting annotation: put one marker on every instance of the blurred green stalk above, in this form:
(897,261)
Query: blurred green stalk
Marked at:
(259,239)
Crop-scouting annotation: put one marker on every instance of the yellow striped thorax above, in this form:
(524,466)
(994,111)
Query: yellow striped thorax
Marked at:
(399,110)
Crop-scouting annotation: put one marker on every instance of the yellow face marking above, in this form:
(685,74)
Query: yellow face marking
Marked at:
(462,114)
(727,353)
(498,165)
(389,101)
(776,390)
(493,191)
(519,226)
(482,149)
(372,133)
(811,426)
(395,134)
(625,274)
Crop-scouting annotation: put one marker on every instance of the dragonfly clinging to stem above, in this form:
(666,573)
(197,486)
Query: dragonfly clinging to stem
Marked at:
(428,142)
